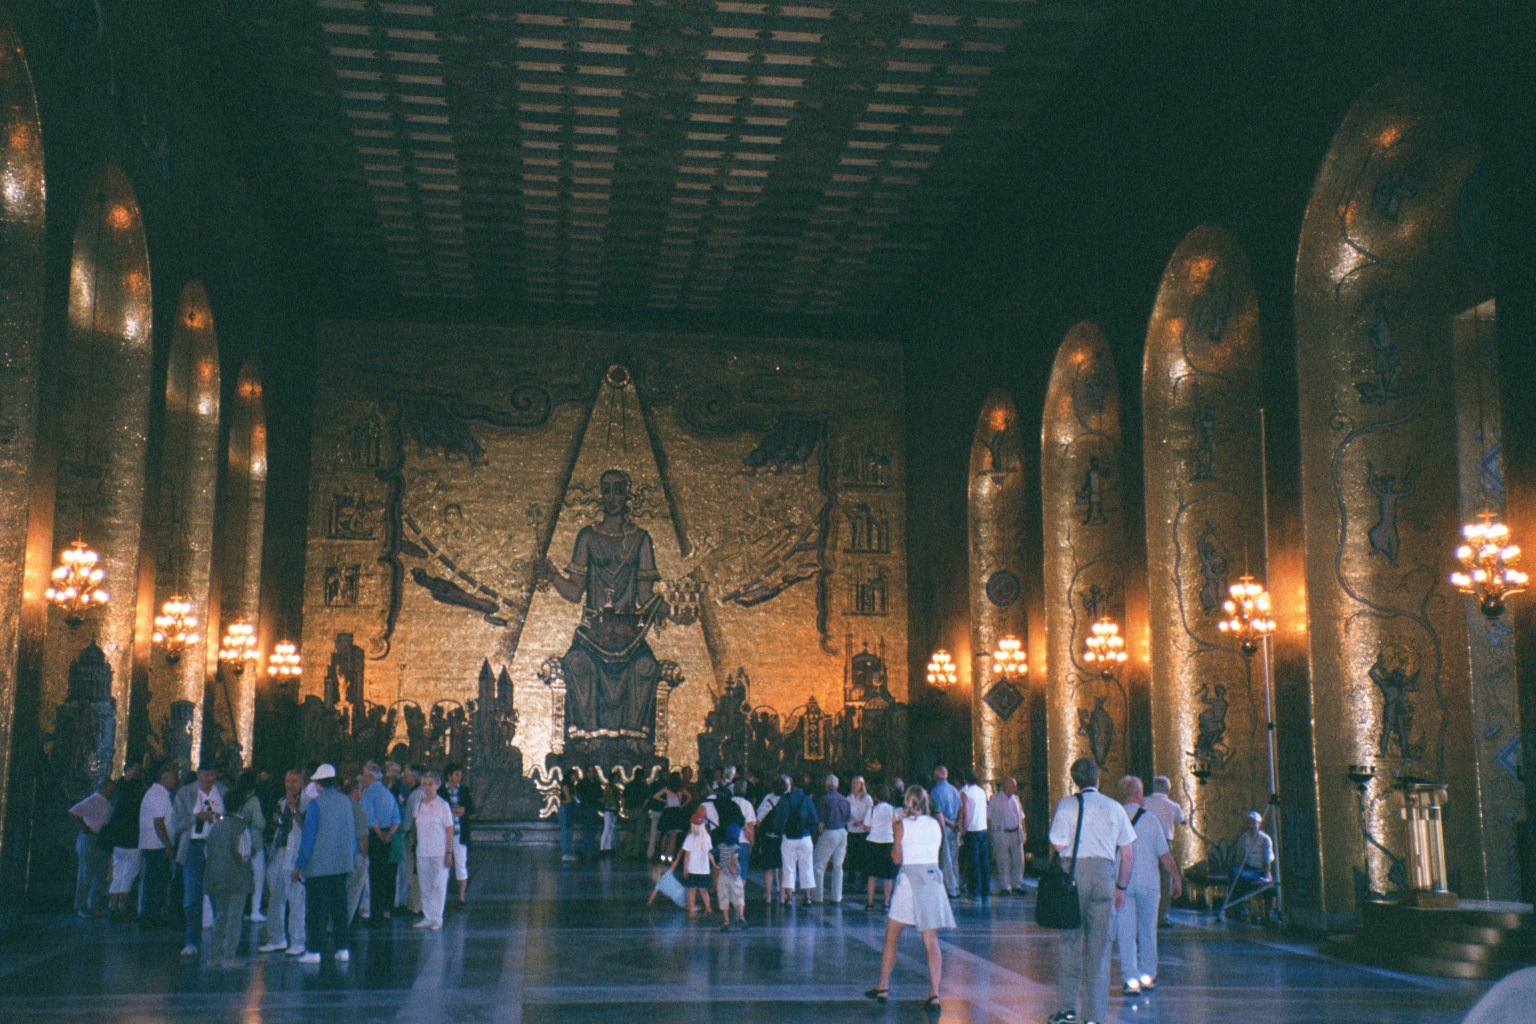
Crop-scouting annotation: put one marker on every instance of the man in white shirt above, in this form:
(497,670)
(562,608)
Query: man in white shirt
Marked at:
(1136,923)
(1005,823)
(157,812)
(198,806)
(285,923)
(1170,815)
(434,850)
(975,841)
(1103,872)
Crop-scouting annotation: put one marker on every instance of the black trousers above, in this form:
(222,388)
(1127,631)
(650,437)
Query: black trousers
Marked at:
(381,879)
(325,902)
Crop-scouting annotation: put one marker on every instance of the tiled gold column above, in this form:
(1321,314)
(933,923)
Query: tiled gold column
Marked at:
(242,519)
(1495,698)
(1200,403)
(189,468)
(103,424)
(1379,277)
(999,715)
(21,301)
(1080,479)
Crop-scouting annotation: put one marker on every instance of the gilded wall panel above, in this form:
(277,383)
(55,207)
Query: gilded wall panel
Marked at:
(22,239)
(1379,277)
(1205,528)
(762,479)
(1000,726)
(103,427)
(1085,554)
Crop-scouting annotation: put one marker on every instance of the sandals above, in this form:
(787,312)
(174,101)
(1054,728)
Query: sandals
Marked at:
(879,995)
(931,1003)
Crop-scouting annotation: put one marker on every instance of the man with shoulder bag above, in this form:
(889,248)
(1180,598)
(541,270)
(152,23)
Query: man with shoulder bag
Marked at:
(1095,833)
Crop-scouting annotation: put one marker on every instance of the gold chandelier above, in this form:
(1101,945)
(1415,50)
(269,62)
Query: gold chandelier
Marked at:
(941,669)
(285,662)
(1247,614)
(238,648)
(1105,647)
(1485,560)
(1009,659)
(77,583)
(175,627)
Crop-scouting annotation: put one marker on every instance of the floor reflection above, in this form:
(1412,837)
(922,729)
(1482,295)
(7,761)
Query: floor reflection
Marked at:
(539,943)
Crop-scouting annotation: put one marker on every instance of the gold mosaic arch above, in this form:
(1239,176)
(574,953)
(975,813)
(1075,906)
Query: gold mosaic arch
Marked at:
(103,426)
(1380,272)
(999,712)
(1081,481)
(22,240)
(1200,408)
(189,471)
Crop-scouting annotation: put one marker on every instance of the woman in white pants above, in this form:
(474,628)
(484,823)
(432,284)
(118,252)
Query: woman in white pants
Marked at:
(434,851)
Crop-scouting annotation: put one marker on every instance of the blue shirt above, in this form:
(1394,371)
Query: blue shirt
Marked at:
(833,810)
(380,805)
(945,799)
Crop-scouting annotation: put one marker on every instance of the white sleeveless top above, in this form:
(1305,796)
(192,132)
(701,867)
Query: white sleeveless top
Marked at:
(920,840)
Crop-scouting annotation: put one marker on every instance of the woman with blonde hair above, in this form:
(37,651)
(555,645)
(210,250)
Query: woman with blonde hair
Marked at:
(920,899)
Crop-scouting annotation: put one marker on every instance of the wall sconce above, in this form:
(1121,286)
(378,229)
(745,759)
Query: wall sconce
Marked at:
(941,669)
(1485,560)
(1104,647)
(1009,659)
(239,647)
(285,662)
(77,583)
(1247,614)
(174,628)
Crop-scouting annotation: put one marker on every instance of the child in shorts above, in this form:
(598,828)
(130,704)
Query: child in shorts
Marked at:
(698,860)
(730,887)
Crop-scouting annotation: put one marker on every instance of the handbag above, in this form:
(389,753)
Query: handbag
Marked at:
(1056,903)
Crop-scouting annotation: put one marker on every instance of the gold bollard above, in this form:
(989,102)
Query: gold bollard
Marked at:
(1426,837)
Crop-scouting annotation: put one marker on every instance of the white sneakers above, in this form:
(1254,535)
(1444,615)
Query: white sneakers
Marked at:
(257,917)
(295,950)
(271,947)
(1148,983)
(309,958)
(189,950)
(423,923)
(343,955)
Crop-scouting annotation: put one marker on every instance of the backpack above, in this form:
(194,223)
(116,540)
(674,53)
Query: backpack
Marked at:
(794,815)
(732,821)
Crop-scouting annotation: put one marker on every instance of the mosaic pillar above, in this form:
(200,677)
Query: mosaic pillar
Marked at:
(999,718)
(103,426)
(21,300)
(1490,646)
(1378,279)
(1080,480)
(189,471)
(241,525)
(1205,527)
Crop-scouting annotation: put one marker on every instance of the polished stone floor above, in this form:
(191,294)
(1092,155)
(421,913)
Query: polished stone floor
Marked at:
(539,943)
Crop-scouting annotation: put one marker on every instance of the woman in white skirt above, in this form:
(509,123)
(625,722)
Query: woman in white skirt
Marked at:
(920,899)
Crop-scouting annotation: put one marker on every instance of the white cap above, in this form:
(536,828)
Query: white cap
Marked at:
(325,771)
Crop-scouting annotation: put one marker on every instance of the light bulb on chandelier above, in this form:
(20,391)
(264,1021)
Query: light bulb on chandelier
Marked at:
(1104,647)
(175,628)
(238,649)
(285,662)
(1247,611)
(76,583)
(1009,659)
(941,669)
(1486,559)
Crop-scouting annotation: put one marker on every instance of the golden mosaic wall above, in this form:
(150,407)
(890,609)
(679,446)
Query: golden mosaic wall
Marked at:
(1379,277)
(1081,485)
(242,520)
(999,713)
(447,461)
(1205,528)
(104,424)
(21,298)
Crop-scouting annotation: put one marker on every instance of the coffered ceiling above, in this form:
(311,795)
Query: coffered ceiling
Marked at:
(651,154)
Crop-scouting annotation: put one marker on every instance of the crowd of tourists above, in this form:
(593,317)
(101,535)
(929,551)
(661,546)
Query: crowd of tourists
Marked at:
(307,855)
(310,855)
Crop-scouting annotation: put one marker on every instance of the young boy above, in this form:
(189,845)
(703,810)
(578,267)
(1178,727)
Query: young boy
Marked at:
(730,887)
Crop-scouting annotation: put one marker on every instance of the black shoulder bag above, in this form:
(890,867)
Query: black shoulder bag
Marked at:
(1056,903)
